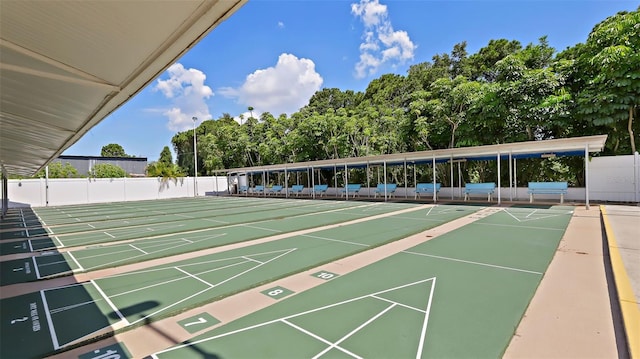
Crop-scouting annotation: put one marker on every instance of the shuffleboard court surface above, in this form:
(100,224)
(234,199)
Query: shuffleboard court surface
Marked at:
(461,294)
(55,264)
(134,298)
(187,224)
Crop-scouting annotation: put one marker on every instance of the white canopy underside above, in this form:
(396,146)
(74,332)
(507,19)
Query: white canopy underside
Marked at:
(66,65)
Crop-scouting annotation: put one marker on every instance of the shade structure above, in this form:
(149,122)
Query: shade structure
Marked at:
(574,146)
(66,65)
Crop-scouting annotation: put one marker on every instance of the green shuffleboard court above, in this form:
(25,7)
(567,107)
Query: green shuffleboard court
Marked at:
(51,264)
(461,294)
(77,313)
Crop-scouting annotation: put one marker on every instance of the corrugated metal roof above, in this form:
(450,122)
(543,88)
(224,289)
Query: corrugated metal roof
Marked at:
(560,147)
(66,65)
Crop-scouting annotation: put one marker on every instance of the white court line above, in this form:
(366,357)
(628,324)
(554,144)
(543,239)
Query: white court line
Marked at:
(110,235)
(90,225)
(140,255)
(251,259)
(529,215)
(59,241)
(397,303)
(355,331)
(35,267)
(213,220)
(72,306)
(186,240)
(516,218)
(169,281)
(30,246)
(290,316)
(134,247)
(106,299)
(518,226)
(52,330)
(264,229)
(315,336)
(75,260)
(426,321)
(471,262)
(194,277)
(215,285)
(429,211)
(419,218)
(335,240)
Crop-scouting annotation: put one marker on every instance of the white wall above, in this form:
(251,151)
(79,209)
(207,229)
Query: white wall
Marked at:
(612,178)
(33,192)
(615,178)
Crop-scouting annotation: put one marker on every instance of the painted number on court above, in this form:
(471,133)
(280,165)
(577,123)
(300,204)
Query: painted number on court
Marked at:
(198,322)
(114,351)
(325,275)
(277,292)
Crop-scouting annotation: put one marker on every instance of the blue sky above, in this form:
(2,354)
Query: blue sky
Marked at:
(274,54)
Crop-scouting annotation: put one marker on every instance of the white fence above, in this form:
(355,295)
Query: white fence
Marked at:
(33,192)
(615,179)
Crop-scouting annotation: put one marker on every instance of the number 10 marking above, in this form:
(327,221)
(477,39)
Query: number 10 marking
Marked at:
(325,275)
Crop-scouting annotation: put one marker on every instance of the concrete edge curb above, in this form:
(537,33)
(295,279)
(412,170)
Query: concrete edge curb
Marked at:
(626,298)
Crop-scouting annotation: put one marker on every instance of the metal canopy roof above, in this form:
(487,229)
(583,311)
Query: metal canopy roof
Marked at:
(66,65)
(559,147)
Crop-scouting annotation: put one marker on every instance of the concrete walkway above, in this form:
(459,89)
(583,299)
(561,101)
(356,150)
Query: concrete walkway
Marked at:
(570,315)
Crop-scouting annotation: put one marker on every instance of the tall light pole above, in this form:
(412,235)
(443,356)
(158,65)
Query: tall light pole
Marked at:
(195,159)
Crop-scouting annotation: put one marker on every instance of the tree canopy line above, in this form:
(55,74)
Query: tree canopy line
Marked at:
(506,92)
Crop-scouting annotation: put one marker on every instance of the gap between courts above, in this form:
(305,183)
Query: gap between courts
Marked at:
(24,288)
(314,250)
(499,257)
(55,264)
(191,225)
(146,340)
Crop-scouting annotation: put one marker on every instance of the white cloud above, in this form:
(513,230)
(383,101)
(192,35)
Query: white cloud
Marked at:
(187,92)
(283,88)
(280,25)
(381,43)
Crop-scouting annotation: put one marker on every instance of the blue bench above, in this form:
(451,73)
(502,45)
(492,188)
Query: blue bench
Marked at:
(258,189)
(243,190)
(481,188)
(560,188)
(275,189)
(320,189)
(353,188)
(297,189)
(390,189)
(426,188)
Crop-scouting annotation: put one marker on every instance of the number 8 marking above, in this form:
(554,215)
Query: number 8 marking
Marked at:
(275,292)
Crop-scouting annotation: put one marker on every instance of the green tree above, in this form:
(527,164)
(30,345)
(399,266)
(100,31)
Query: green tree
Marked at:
(107,170)
(164,170)
(165,156)
(483,62)
(113,150)
(606,79)
(58,170)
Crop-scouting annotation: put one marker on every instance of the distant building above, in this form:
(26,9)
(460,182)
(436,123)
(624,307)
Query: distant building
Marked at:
(133,166)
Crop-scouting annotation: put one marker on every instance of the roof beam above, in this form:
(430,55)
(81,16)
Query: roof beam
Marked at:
(52,62)
(52,76)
